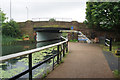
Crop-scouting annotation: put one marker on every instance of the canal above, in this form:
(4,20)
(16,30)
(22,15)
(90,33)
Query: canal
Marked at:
(12,49)
(15,66)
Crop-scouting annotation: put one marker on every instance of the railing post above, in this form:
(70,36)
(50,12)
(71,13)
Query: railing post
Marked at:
(110,44)
(66,46)
(58,54)
(105,42)
(30,66)
(63,49)
(53,63)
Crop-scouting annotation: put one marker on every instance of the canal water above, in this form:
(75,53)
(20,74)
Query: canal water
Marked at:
(12,49)
(15,66)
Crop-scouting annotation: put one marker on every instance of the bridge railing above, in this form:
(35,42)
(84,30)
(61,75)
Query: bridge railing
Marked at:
(108,42)
(62,47)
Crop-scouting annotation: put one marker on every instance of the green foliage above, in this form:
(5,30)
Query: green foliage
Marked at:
(25,36)
(7,40)
(2,16)
(11,28)
(52,20)
(116,73)
(74,40)
(103,15)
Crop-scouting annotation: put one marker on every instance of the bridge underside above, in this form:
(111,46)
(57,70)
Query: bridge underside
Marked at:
(46,34)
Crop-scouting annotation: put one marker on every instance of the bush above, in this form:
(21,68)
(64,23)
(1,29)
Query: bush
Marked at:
(25,36)
(11,29)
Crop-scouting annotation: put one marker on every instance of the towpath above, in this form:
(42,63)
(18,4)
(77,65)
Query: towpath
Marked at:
(83,61)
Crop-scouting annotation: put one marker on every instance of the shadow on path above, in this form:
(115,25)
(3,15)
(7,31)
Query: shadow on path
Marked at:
(113,61)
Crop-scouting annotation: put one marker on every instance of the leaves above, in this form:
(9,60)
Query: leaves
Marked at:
(11,28)
(2,16)
(105,15)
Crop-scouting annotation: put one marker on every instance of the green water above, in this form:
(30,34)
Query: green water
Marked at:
(13,67)
(12,49)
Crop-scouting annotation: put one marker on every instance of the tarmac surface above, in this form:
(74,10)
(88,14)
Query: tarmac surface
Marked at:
(83,61)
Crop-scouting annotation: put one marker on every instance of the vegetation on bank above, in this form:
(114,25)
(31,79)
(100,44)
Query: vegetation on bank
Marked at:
(116,73)
(74,40)
(10,30)
(7,40)
(115,46)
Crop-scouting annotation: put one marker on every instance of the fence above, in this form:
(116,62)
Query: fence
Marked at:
(62,47)
(108,42)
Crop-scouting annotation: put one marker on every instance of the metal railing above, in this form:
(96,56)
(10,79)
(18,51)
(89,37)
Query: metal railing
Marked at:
(108,42)
(64,49)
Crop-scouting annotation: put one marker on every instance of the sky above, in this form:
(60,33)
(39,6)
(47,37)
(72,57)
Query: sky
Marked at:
(66,10)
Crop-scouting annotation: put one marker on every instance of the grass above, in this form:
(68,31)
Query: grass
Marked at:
(7,40)
(115,46)
(116,73)
(74,40)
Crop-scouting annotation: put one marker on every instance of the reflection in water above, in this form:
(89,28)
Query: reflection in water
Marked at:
(11,49)
(26,47)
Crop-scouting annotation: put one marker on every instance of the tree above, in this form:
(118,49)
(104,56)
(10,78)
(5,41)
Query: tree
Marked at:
(52,20)
(103,15)
(2,16)
(11,28)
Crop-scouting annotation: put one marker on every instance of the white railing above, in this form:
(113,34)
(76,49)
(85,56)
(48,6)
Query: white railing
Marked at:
(64,49)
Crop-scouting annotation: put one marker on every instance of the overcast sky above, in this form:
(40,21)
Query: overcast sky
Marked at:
(69,9)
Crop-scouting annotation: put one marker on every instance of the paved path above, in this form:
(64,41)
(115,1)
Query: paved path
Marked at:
(83,61)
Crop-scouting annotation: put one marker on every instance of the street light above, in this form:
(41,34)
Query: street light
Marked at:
(10,9)
(27,12)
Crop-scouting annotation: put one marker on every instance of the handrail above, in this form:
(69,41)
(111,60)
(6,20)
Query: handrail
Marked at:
(107,39)
(110,43)
(11,56)
(88,40)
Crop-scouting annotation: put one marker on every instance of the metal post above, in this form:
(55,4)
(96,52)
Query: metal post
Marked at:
(110,44)
(53,63)
(30,66)
(105,42)
(61,53)
(66,47)
(63,49)
(58,54)
(27,12)
(10,9)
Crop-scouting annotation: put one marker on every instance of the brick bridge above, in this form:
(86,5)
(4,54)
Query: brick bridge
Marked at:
(28,27)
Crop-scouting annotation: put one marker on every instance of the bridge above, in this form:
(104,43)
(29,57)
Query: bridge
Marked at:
(28,28)
(31,27)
